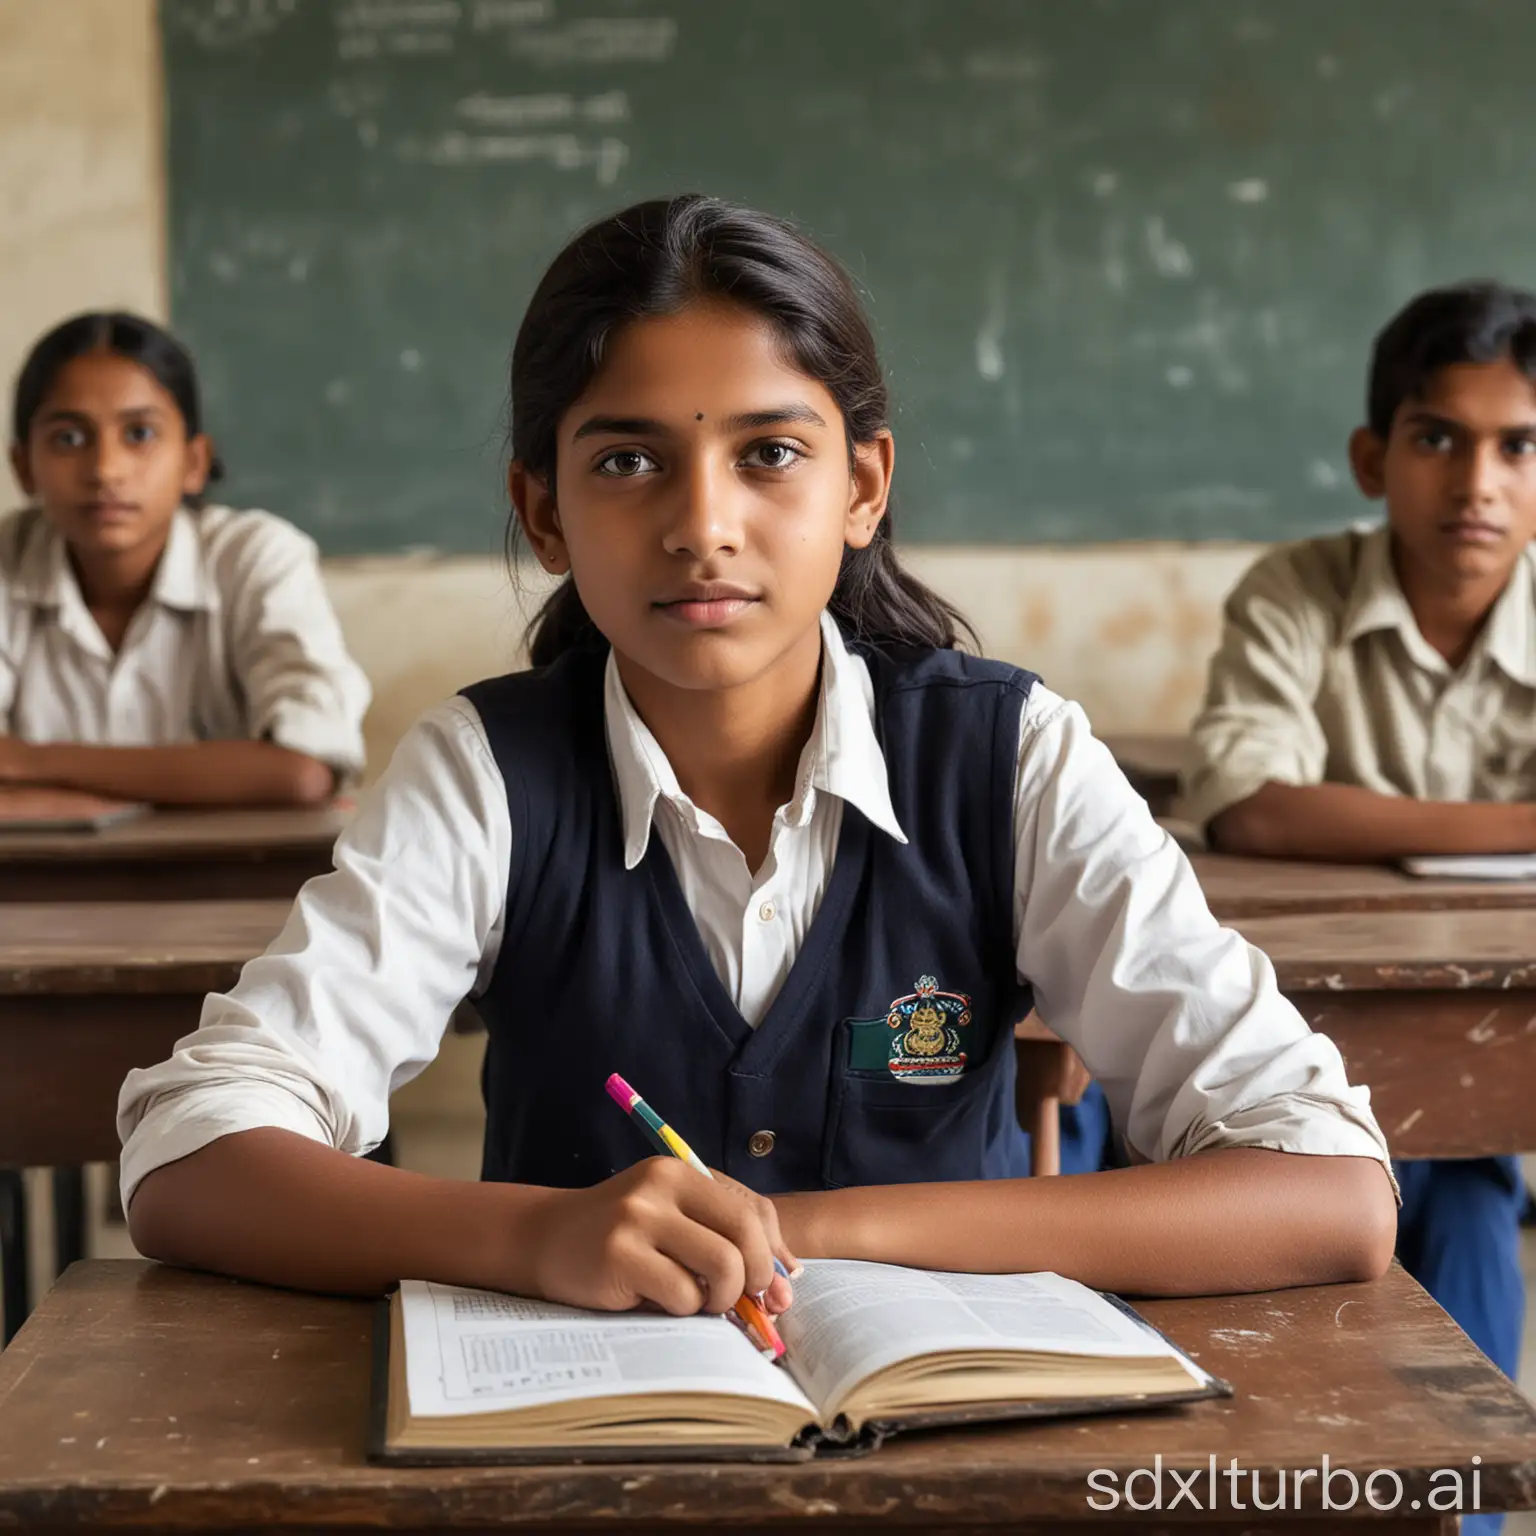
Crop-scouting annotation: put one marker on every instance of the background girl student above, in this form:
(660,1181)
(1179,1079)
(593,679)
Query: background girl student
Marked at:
(151,647)
(748,814)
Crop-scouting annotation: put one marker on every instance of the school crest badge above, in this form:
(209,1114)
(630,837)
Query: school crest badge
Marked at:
(920,1041)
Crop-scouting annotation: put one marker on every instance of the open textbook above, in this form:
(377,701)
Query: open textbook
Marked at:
(472,1376)
(1472,866)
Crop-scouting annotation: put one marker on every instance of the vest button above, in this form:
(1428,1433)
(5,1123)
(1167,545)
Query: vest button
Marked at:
(760,1143)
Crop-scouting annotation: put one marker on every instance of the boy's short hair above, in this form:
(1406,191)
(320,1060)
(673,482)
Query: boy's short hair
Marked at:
(1478,322)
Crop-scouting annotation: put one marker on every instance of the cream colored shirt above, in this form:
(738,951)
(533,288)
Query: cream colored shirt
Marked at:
(1322,676)
(1179,1018)
(236,641)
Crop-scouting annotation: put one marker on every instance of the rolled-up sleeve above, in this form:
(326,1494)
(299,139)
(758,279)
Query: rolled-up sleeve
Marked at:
(1258,723)
(352,998)
(302,689)
(1179,1019)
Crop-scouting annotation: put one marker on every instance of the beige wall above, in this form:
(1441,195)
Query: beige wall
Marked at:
(80,200)
(1125,629)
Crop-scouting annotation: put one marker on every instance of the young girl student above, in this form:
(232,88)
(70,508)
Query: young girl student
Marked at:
(151,647)
(755,835)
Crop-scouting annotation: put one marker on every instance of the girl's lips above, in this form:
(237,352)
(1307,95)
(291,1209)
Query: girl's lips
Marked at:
(707,612)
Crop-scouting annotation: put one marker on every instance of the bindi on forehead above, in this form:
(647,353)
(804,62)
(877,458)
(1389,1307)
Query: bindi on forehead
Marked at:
(698,416)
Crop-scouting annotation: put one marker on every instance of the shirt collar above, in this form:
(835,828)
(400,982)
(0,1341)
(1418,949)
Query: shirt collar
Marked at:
(842,757)
(1510,637)
(44,578)
(1376,602)
(181,579)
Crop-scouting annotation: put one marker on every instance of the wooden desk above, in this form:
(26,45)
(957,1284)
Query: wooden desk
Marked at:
(146,1398)
(1153,765)
(1241,888)
(173,856)
(86,993)
(1434,1011)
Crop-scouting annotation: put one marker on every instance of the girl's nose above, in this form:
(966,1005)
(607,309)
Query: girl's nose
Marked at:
(704,512)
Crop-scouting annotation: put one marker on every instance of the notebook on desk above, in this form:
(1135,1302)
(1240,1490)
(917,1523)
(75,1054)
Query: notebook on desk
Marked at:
(470,1376)
(1473,866)
(28,808)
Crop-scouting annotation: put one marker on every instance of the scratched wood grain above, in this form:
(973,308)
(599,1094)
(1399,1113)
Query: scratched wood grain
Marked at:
(148,1397)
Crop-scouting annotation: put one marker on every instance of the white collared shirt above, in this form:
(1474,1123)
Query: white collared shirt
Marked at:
(1179,1018)
(237,640)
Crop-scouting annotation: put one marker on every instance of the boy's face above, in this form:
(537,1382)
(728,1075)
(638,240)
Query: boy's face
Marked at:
(1458,472)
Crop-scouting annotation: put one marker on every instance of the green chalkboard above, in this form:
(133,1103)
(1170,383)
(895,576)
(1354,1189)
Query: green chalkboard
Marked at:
(1125,257)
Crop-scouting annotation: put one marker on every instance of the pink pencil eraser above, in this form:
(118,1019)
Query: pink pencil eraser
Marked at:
(620,1091)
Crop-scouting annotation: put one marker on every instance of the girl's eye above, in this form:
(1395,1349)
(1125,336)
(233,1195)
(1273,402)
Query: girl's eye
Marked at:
(625,463)
(772,456)
(137,433)
(1521,447)
(1436,442)
(67,438)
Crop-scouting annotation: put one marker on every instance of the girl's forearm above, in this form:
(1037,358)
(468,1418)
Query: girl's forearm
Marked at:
(1239,1219)
(198,773)
(273,1206)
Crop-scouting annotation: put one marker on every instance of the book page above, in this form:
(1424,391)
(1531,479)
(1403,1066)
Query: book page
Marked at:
(479,1351)
(851,1319)
(1473,866)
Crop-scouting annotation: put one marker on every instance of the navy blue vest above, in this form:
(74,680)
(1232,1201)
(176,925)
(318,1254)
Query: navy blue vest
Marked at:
(887,1056)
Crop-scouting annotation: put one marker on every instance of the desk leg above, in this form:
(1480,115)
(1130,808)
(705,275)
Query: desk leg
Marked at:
(68,1217)
(14,1304)
(1045,1138)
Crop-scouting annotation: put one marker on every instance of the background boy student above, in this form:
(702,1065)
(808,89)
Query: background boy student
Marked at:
(1374,695)
(150,647)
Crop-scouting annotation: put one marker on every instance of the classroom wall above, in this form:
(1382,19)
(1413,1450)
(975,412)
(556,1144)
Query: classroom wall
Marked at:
(1124,628)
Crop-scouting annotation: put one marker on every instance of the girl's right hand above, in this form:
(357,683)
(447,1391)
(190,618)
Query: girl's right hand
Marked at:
(658,1233)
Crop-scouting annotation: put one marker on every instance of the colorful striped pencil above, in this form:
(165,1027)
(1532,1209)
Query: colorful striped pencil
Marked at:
(668,1143)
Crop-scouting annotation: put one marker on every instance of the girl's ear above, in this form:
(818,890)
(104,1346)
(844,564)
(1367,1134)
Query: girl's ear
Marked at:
(873,464)
(1367,458)
(199,465)
(537,513)
(21,467)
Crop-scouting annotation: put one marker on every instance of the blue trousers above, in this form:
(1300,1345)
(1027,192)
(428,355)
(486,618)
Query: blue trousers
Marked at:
(1458,1235)
(1087,1138)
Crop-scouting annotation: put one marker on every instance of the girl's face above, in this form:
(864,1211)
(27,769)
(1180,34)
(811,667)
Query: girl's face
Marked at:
(108,458)
(704,497)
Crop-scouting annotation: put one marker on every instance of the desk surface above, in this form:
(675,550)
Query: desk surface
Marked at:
(149,946)
(1388,951)
(186,835)
(1237,888)
(173,856)
(146,1396)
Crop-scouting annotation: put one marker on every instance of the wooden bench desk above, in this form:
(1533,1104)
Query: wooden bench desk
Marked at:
(88,991)
(1434,1011)
(147,1399)
(173,856)
(1241,888)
